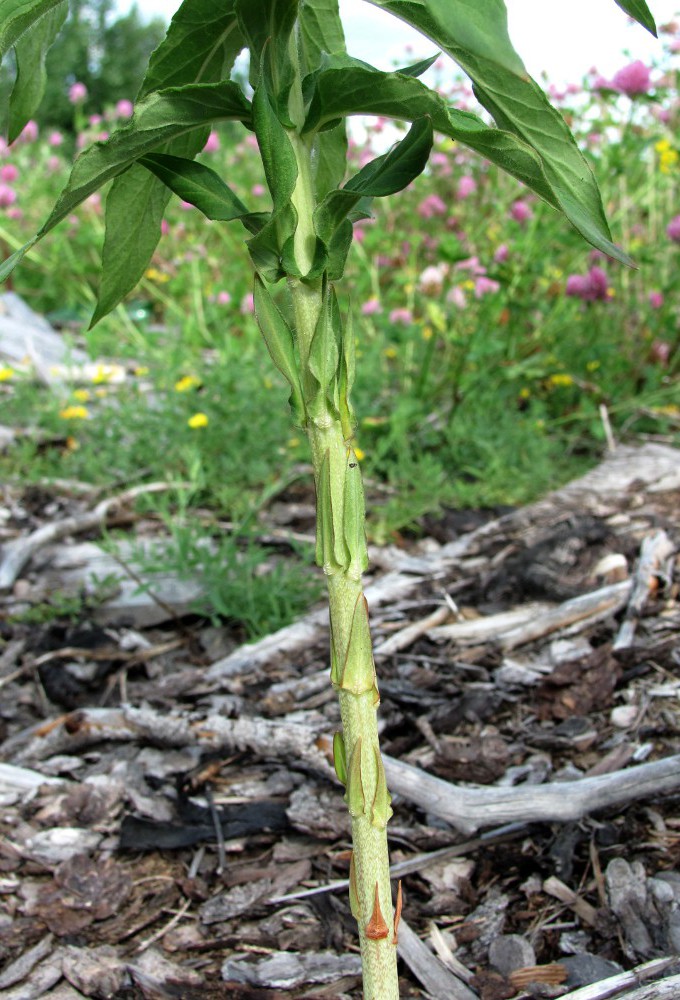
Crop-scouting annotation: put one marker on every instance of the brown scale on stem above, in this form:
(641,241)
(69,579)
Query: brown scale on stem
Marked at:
(397,914)
(376,929)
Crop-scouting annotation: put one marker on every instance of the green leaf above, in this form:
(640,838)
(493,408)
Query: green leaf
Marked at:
(203,188)
(323,359)
(640,12)
(385,175)
(18,17)
(546,158)
(31,49)
(346,378)
(321,32)
(476,36)
(200,46)
(11,262)
(266,26)
(354,518)
(417,69)
(280,344)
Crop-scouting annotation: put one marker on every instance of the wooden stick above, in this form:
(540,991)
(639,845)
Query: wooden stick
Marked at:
(613,986)
(17,553)
(468,809)
(655,552)
(429,970)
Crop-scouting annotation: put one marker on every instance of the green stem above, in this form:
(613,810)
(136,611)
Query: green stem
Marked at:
(341,550)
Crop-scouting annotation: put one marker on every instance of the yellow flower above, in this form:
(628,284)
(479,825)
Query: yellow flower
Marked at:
(662,146)
(197,420)
(359,454)
(6,373)
(668,160)
(82,395)
(561,378)
(390,352)
(293,442)
(101,374)
(153,274)
(186,383)
(74,413)
(524,392)
(427,333)
(141,370)
(592,366)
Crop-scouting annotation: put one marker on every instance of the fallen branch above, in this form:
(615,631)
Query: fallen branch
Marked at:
(467,809)
(655,552)
(429,970)
(613,986)
(16,554)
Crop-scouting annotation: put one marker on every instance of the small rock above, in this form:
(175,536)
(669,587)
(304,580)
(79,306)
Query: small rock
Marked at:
(51,847)
(287,969)
(584,969)
(509,952)
(94,971)
(624,716)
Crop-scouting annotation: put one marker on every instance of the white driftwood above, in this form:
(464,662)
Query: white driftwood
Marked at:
(468,809)
(428,969)
(16,554)
(639,978)
(511,629)
(655,552)
(292,639)
(406,636)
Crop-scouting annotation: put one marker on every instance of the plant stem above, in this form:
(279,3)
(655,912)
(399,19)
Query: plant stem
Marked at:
(341,550)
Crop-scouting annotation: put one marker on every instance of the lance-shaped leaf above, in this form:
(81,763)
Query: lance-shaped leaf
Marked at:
(18,17)
(640,12)
(320,31)
(383,176)
(357,669)
(354,794)
(381,810)
(567,185)
(325,541)
(346,375)
(31,49)
(203,188)
(266,26)
(200,46)
(354,519)
(163,116)
(279,340)
(476,36)
(340,758)
(323,359)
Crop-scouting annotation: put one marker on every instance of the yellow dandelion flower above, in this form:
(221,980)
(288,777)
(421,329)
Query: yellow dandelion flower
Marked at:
(82,395)
(74,413)
(662,146)
(668,160)
(186,383)
(197,420)
(524,392)
(6,373)
(561,378)
(153,274)
(101,374)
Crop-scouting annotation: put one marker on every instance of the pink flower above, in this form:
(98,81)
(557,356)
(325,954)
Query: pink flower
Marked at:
(359,233)
(54,164)
(633,79)
(471,264)
(95,120)
(485,286)
(165,227)
(186,206)
(247,304)
(8,173)
(661,351)
(7,196)
(15,213)
(223,298)
(520,211)
(673,229)
(466,186)
(401,316)
(457,297)
(501,254)
(29,132)
(602,83)
(655,299)
(77,93)
(589,287)
(125,108)
(257,190)
(212,143)
(371,307)
(431,206)
(431,280)
(55,139)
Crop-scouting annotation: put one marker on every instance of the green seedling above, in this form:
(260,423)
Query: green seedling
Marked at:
(304,87)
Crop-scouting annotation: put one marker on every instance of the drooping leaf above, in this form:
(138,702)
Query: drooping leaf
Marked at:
(201,44)
(556,171)
(417,69)
(280,344)
(383,176)
(321,32)
(476,36)
(203,188)
(640,12)
(31,49)
(163,116)
(18,16)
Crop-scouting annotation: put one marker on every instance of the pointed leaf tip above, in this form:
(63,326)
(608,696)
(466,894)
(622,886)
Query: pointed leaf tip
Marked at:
(640,12)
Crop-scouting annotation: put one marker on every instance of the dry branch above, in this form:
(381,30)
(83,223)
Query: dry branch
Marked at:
(428,969)
(613,986)
(15,555)
(655,552)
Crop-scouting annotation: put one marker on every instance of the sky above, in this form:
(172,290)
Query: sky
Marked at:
(565,38)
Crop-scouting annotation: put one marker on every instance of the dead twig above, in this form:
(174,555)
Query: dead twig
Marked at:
(655,552)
